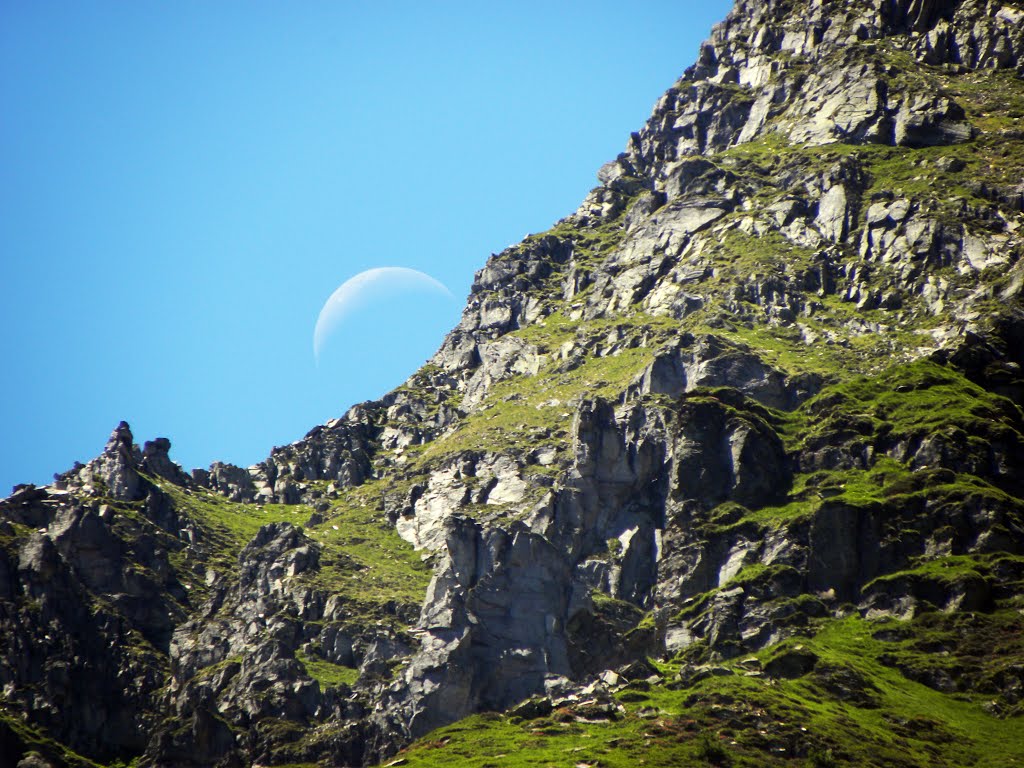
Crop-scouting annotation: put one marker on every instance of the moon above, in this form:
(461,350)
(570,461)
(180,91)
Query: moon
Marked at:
(363,289)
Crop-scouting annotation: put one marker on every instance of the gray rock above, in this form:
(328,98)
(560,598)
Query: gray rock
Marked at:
(156,461)
(116,468)
(230,481)
(34,760)
(720,457)
(834,214)
(928,121)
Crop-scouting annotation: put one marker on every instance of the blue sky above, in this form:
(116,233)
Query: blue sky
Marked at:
(183,185)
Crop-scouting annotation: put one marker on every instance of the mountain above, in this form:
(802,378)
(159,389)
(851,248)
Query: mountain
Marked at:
(726,467)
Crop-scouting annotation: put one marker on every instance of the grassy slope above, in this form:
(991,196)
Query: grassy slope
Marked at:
(747,719)
(740,716)
(363,560)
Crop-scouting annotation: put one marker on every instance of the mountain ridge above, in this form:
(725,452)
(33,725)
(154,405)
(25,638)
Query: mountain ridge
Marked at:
(736,442)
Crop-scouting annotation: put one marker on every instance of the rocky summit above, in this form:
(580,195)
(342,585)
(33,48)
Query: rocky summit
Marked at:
(725,468)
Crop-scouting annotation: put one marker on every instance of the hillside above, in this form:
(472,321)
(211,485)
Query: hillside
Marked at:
(726,467)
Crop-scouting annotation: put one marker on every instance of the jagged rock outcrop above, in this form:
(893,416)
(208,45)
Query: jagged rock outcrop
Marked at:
(90,601)
(765,380)
(116,469)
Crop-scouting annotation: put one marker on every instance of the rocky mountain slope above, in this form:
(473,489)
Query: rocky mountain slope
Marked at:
(727,467)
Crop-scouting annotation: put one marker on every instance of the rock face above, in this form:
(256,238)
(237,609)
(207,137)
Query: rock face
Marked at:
(765,380)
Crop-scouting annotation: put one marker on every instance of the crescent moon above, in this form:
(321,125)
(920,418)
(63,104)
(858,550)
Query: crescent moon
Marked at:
(360,290)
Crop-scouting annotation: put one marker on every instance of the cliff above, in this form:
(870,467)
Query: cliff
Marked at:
(725,467)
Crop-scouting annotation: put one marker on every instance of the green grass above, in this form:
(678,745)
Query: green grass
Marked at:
(903,404)
(538,410)
(757,721)
(363,559)
(975,737)
(848,341)
(912,399)
(994,101)
(738,254)
(328,674)
(225,527)
(952,569)
(489,741)
(14,730)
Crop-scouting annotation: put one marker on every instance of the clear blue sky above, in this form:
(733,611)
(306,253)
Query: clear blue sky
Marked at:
(182,186)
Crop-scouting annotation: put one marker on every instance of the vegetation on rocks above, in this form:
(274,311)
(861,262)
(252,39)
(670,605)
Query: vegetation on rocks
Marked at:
(856,700)
(725,468)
